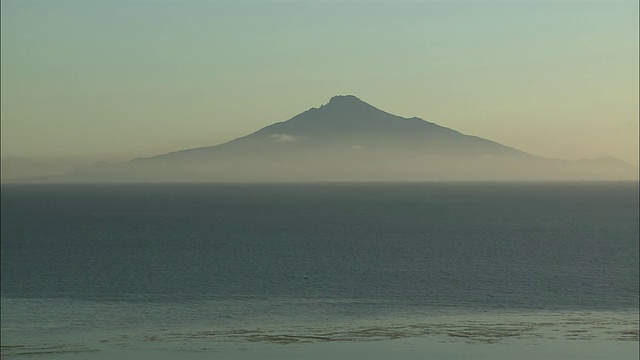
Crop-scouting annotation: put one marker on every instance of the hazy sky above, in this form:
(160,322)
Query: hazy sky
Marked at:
(120,79)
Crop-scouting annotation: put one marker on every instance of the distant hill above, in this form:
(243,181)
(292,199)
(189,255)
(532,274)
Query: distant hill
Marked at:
(350,140)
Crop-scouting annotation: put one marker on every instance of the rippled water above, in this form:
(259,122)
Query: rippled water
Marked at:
(298,271)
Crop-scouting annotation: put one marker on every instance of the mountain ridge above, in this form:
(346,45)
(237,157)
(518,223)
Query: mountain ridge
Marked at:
(348,139)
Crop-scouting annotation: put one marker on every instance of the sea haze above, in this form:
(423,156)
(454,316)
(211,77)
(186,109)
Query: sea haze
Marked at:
(183,267)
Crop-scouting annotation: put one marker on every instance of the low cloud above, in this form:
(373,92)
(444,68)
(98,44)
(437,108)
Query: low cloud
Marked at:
(283,137)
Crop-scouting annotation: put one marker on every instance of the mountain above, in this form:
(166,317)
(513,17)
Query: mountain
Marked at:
(350,140)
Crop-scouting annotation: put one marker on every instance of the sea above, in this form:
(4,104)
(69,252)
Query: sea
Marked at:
(320,271)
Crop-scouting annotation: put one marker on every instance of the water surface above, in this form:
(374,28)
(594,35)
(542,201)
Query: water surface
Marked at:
(296,270)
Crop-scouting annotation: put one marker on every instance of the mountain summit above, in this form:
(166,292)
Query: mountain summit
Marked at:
(346,99)
(350,140)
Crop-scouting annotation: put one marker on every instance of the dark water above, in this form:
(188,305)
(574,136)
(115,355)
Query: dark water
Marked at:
(324,251)
(512,246)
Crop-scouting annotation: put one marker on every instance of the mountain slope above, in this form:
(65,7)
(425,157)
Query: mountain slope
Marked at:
(347,123)
(350,140)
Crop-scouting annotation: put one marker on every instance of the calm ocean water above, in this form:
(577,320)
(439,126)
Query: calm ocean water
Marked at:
(98,271)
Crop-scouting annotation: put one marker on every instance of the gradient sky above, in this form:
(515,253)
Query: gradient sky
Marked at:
(121,79)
